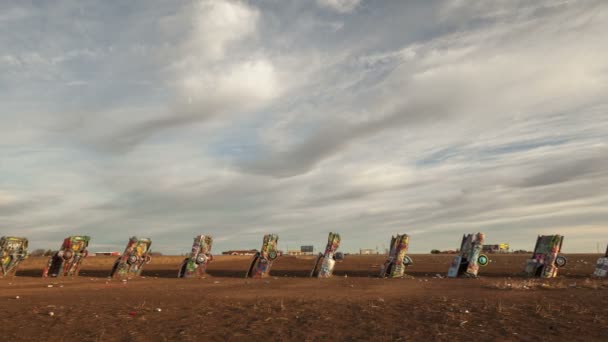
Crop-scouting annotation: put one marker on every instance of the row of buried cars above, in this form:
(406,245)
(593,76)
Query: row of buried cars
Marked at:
(544,263)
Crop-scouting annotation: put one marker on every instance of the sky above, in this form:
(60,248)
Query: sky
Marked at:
(169,119)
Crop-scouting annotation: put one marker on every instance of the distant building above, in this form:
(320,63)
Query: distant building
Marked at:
(307,250)
(106,254)
(498,248)
(295,252)
(367,251)
(241,252)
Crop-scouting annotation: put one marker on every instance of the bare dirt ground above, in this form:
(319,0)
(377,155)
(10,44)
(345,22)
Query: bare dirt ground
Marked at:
(354,305)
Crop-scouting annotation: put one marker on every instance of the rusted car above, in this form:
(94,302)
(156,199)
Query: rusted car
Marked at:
(330,257)
(195,265)
(132,261)
(13,250)
(69,258)
(397,261)
(466,263)
(546,260)
(601,268)
(262,261)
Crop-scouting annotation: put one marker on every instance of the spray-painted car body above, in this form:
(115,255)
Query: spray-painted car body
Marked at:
(397,261)
(601,268)
(67,261)
(196,264)
(546,259)
(467,263)
(330,257)
(131,262)
(13,250)
(262,261)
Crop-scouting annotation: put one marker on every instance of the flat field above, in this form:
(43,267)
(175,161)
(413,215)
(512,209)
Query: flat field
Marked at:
(354,305)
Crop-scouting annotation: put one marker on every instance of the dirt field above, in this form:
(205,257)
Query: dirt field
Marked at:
(354,305)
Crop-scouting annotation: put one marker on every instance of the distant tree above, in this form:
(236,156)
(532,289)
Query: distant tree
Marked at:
(49,252)
(38,252)
(435,251)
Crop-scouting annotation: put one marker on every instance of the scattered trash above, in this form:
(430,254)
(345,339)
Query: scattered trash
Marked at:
(132,313)
(158,310)
(49,285)
(51,313)
(17,297)
(216,282)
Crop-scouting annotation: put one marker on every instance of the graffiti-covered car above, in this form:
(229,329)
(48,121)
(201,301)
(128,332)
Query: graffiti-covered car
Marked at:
(13,250)
(132,261)
(397,261)
(330,257)
(69,258)
(467,262)
(262,261)
(195,265)
(601,268)
(546,260)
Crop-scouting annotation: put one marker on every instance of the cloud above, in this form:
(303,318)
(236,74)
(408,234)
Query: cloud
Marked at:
(340,6)
(236,118)
(460,76)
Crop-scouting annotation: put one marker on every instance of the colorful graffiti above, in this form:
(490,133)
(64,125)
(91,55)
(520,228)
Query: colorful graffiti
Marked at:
(467,262)
(397,261)
(131,262)
(196,264)
(330,257)
(546,260)
(13,250)
(262,261)
(69,258)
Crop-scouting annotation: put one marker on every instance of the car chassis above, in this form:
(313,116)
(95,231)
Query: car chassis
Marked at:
(467,263)
(262,261)
(195,265)
(330,257)
(601,268)
(131,262)
(397,261)
(13,250)
(546,260)
(67,261)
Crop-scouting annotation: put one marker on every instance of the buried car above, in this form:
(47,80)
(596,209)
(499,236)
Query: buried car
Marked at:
(330,257)
(601,268)
(135,256)
(196,264)
(13,250)
(397,261)
(467,263)
(262,261)
(67,261)
(546,260)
